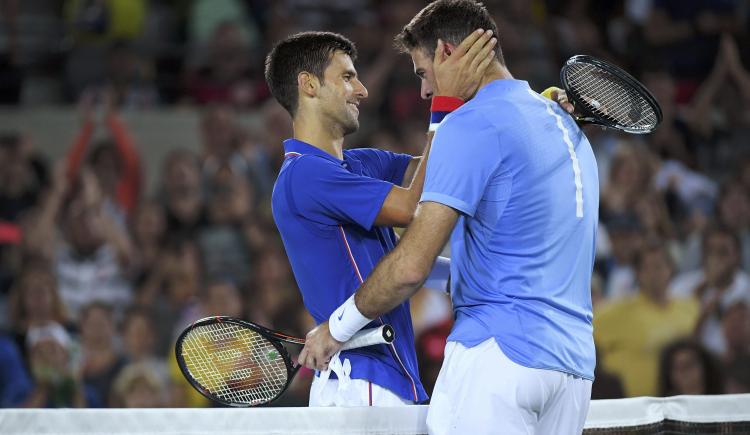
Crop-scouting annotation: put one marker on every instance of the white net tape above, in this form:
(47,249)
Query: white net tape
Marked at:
(354,421)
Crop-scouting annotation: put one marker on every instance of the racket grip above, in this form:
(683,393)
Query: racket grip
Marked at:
(369,337)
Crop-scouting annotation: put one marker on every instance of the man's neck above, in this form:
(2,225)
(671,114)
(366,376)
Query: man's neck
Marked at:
(313,131)
(496,71)
(657,297)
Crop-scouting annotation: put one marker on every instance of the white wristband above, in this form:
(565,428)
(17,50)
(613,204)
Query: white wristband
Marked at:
(433,126)
(346,320)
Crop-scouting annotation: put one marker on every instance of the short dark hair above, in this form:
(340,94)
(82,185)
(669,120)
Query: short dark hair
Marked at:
(448,20)
(306,51)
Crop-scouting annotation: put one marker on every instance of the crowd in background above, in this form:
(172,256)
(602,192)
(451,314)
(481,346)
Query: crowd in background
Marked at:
(99,275)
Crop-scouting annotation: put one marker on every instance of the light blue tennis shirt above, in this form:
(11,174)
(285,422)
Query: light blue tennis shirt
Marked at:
(524,179)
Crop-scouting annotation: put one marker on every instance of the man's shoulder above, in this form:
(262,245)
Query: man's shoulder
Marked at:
(364,153)
(306,164)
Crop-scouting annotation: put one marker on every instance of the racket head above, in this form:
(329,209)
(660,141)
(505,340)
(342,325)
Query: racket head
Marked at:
(607,95)
(234,362)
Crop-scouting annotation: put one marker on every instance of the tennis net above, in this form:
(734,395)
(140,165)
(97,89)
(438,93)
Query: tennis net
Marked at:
(679,415)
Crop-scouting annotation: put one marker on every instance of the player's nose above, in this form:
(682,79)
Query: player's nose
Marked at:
(426,90)
(361,90)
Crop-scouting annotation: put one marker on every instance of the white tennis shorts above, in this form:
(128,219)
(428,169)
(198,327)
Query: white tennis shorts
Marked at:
(358,392)
(346,391)
(480,391)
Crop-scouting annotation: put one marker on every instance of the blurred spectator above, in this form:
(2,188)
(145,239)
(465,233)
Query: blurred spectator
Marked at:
(719,114)
(717,285)
(227,146)
(115,162)
(686,367)
(172,288)
(130,76)
(733,213)
(652,213)
(34,300)
(274,296)
(225,74)
(735,326)
(148,229)
(139,341)
(629,177)
(94,260)
(100,360)
(136,386)
(15,383)
(625,236)
(631,332)
(675,27)
(225,253)
(575,31)
(183,193)
(23,179)
(221,297)
(526,42)
(93,27)
(205,16)
(675,138)
(57,378)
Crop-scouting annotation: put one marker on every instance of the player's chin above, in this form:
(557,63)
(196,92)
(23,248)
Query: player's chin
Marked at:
(351,126)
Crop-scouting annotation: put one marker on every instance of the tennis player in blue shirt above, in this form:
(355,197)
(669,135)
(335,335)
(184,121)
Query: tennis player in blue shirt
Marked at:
(512,181)
(334,208)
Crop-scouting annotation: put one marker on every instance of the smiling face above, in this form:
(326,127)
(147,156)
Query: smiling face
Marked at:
(340,93)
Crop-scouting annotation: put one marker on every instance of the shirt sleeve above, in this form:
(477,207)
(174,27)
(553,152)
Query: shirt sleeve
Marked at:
(385,165)
(461,163)
(325,192)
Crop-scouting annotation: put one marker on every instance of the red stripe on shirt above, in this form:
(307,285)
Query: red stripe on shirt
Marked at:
(361,281)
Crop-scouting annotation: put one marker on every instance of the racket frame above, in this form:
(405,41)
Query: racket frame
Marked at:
(275,338)
(587,117)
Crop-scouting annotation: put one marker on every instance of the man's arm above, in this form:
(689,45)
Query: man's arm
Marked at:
(403,271)
(401,202)
(398,276)
(411,169)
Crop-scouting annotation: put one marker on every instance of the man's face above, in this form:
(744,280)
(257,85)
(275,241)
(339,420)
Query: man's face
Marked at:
(341,92)
(423,70)
(654,273)
(720,257)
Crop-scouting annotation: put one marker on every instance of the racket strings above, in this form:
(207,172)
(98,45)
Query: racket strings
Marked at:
(235,364)
(608,96)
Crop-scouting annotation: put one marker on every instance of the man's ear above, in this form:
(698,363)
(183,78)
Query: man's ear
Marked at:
(308,84)
(448,48)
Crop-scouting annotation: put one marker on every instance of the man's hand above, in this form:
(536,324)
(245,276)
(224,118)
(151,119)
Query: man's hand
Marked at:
(320,346)
(560,97)
(459,73)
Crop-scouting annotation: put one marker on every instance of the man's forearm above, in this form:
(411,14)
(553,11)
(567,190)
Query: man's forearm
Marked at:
(395,279)
(417,181)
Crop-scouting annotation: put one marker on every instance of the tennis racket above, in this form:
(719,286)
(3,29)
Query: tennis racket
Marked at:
(605,95)
(239,363)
